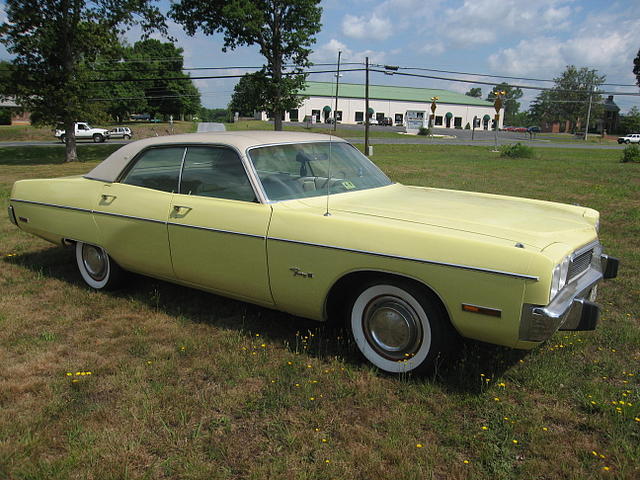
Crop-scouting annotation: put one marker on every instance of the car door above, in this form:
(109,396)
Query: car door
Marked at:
(131,214)
(217,228)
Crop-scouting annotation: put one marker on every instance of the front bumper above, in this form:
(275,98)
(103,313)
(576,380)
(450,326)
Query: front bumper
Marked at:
(573,308)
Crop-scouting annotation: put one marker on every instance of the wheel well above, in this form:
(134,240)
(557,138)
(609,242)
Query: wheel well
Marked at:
(340,292)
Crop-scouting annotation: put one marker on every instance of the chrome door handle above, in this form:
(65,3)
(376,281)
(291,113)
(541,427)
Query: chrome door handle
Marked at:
(177,208)
(106,196)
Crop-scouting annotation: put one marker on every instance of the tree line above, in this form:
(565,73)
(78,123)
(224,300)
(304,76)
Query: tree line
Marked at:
(57,42)
(567,102)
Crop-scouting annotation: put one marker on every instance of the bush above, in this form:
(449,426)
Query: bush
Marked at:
(424,131)
(467,126)
(516,151)
(631,153)
(5,116)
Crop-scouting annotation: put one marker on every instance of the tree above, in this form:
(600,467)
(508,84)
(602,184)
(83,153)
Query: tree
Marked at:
(510,100)
(52,39)
(284,32)
(636,68)
(475,92)
(630,122)
(168,91)
(568,100)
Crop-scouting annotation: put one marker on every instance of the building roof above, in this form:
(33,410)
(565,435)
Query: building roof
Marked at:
(384,92)
(110,168)
(610,105)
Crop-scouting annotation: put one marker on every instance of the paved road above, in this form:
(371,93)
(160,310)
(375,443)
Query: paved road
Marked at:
(415,140)
(210,127)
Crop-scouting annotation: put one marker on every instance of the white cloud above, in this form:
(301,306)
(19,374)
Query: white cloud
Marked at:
(328,52)
(361,27)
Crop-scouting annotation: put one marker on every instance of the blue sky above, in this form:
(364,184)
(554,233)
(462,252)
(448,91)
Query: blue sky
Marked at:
(499,37)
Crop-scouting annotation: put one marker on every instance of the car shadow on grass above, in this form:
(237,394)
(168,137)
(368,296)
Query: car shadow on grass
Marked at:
(465,370)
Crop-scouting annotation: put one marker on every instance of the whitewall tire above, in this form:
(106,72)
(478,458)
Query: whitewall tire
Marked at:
(97,268)
(398,327)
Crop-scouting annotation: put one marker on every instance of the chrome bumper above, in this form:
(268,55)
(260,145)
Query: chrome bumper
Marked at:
(573,307)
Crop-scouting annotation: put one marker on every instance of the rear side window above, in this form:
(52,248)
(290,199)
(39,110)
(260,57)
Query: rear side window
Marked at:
(157,168)
(215,172)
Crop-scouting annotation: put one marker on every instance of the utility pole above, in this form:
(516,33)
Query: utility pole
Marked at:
(335,110)
(586,130)
(366,108)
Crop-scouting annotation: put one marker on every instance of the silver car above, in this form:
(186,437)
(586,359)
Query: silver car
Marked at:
(120,132)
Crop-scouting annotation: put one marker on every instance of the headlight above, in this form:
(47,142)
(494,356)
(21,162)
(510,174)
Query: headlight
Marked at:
(559,279)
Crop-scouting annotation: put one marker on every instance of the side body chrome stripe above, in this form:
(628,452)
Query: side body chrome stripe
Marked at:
(298,242)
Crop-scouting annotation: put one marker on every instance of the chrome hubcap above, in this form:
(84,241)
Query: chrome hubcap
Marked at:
(95,261)
(392,327)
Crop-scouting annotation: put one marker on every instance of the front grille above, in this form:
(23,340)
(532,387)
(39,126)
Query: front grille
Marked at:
(579,264)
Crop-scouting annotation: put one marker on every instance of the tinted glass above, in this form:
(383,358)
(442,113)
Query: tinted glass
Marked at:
(312,169)
(157,168)
(215,172)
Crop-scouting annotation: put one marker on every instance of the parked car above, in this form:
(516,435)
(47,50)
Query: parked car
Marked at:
(534,129)
(306,224)
(84,131)
(120,132)
(386,122)
(630,138)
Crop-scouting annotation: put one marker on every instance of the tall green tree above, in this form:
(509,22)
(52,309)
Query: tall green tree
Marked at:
(164,90)
(475,92)
(630,123)
(52,39)
(283,30)
(636,68)
(568,100)
(510,100)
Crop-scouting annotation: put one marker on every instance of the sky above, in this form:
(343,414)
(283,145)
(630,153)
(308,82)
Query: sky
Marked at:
(520,38)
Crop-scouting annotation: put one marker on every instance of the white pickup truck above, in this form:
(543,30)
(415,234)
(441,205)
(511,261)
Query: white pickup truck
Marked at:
(84,131)
(630,138)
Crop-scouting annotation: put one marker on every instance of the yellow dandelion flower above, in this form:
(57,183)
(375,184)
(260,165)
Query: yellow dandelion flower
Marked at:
(75,380)
(484,428)
(466,462)
(544,429)
(264,345)
(88,373)
(594,453)
(317,429)
(69,374)
(497,399)
(312,398)
(602,456)
(324,440)
(502,384)
(515,442)
(327,461)
(297,384)
(419,445)
(309,366)
(289,363)
(257,334)
(505,418)
(606,469)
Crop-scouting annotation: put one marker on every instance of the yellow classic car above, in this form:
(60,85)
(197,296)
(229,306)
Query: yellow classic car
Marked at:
(306,224)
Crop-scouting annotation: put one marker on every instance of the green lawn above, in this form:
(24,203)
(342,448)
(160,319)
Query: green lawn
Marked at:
(185,384)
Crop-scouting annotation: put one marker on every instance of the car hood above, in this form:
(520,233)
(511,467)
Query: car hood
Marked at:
(534,223)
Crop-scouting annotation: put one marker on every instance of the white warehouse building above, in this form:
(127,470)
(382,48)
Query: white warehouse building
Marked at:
(453,110)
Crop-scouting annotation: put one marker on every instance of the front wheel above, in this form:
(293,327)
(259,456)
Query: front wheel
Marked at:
(398,326)
(97,138)
(627,141)
(127,137)
(97,268)
(63,138)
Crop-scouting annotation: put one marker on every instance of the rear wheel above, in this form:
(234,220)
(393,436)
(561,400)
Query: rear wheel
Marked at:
(97,268)
(127,137)
(398,326)
(627,141)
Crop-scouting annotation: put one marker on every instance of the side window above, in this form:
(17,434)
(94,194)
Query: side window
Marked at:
(157,168)
(215,172)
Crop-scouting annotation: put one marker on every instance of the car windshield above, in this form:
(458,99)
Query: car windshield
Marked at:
(302,170)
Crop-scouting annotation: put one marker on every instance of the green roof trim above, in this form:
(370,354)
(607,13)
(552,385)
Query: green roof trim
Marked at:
(383,92)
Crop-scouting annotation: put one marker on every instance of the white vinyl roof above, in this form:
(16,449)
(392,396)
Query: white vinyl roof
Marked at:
(109,170)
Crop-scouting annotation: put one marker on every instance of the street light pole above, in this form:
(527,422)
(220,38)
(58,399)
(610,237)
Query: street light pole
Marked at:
(366,108)
(335,110)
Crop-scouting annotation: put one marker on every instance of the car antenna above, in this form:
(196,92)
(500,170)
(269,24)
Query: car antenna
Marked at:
(326,213)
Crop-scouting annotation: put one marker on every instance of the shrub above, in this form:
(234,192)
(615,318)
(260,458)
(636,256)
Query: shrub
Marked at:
(516,151)
(424,131)
(631,153)
(467,126)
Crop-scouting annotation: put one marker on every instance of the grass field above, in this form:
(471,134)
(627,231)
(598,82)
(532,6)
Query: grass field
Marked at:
(20,133)
(160,381)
